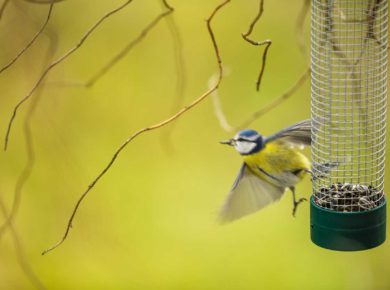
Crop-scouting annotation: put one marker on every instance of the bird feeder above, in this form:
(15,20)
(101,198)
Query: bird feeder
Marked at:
(348,102)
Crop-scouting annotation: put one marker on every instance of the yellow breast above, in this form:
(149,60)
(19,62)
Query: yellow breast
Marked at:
(279,160)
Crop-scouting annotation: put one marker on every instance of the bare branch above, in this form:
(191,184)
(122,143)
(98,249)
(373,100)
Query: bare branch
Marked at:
(27,170)
(119,56)
(181,80)
(299,26)
(43,1)
(372,12)
(57,62)
(372,9)
(276,101)
(150,128)
(24,49)
(166,5)
(3,7)
(267,43)
(128,47)
(20,253)
(181,75)
(218,112)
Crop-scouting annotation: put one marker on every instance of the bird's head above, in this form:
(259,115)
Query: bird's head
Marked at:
(246,142)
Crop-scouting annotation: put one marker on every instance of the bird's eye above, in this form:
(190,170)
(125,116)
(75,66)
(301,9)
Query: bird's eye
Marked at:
(244,140)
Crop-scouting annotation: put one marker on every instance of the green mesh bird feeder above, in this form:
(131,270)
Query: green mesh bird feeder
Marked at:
(348,102)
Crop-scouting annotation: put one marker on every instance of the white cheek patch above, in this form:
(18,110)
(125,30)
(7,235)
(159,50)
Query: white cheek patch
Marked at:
(244,147)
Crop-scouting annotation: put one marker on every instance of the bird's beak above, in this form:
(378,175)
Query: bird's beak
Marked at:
(227,142)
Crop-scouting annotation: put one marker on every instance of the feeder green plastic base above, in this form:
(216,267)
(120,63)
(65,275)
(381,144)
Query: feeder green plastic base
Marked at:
(350,231)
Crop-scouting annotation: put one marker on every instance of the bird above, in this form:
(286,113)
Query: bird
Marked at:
(271,165)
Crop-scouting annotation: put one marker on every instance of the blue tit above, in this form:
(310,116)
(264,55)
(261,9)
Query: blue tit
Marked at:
(271,166)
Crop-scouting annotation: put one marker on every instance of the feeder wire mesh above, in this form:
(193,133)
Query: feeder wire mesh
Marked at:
(349,95)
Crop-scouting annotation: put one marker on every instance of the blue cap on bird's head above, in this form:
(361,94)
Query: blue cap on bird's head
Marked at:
(246,142)
(248,133)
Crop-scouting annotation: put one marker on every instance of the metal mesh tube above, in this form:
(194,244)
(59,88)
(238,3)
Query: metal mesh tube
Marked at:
(349,97)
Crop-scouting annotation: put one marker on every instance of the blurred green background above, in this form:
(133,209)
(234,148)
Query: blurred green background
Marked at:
(151,221)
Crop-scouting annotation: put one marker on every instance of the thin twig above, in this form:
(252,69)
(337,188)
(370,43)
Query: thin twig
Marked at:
(27,170)
(24,49)
(43,1)
(370,34)
(276,101)
(329,31)
(128,47)
(150,128)
(55,63)
(20,253)
(267,43)
(218,112)
(181,76)
(2,8)
(372,10)
(119,56)
(181,80)
(299,26)
(336,48)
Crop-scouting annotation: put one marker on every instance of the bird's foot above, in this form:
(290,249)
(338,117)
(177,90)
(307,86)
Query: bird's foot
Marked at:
(296,203)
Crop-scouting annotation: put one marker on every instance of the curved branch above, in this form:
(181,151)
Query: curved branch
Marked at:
(127,49)
(57,62)
(181,80)
(24,49)
(150,128)
(218,111)
(27,170)
(299,26)
(3,7)
(119,56)
(43,1)
(276,101)
(21,255)
(266,42)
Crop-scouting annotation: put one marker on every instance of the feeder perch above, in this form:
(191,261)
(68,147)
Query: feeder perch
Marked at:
(348,102)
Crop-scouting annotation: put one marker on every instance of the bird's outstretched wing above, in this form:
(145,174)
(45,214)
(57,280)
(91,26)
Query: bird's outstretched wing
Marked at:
(248,194)
(297,134)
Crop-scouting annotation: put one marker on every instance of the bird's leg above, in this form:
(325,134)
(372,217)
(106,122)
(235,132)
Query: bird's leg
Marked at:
(295,202)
